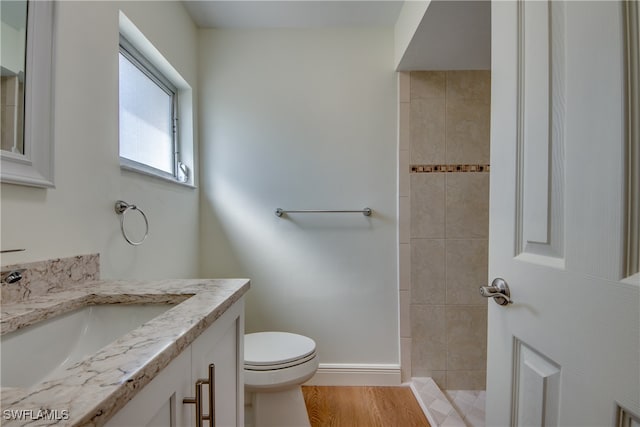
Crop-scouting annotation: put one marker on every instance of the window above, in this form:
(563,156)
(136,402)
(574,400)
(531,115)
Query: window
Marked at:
(148,117)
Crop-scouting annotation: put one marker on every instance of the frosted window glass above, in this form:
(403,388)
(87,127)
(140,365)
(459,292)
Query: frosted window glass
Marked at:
(145,119)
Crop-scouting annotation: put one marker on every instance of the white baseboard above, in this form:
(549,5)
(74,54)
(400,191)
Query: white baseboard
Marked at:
(356,374)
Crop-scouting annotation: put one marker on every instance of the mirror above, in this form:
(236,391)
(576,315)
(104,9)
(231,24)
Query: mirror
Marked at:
(13,34)
(26,138)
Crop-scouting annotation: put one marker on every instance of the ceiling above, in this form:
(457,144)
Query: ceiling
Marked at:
(453,35)
(294,14)
(14,14)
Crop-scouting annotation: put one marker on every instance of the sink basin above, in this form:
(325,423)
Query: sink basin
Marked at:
(40,351)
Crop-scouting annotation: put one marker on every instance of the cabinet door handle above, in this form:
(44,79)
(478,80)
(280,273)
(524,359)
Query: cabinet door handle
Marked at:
(212,395)
(197,401)
(211,382)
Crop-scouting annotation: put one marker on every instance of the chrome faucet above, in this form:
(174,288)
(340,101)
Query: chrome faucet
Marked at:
(11,276)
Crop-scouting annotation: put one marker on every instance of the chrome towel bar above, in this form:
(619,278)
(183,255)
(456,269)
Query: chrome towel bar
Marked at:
(366,211)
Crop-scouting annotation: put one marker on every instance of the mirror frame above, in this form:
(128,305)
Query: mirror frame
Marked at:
(35,167)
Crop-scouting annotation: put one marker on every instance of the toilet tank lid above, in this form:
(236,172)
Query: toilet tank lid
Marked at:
(270,348)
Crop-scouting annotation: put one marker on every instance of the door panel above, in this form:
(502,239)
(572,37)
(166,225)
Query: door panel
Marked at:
(566,352)
(537,388)
(541,104)
(534,111)
(595,126)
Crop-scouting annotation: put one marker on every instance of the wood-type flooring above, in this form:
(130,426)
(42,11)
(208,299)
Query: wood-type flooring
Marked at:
(363,407)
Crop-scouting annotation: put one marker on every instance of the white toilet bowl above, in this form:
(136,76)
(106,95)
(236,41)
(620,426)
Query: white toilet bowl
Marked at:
(275,365)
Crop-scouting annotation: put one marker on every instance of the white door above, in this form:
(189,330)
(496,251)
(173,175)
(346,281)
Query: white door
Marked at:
(567,351)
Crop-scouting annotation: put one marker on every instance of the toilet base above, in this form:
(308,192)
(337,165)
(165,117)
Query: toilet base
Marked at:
(284,408)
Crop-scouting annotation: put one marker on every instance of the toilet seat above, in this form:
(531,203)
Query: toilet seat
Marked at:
(277,360)
(275,350)
(277,366)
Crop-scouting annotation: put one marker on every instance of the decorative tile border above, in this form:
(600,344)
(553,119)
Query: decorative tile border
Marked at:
(449,168)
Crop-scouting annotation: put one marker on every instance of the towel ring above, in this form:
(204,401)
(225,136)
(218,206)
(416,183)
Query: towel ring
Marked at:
(122,208)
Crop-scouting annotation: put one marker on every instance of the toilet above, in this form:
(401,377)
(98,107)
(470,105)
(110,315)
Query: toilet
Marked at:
(275,365)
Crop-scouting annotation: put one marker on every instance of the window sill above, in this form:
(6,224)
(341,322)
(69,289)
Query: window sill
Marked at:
(151,173)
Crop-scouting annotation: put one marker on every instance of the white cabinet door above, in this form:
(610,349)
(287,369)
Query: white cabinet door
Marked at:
(222,345)
(565,353)
(159,404)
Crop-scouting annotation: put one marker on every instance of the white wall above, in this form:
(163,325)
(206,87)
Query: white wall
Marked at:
(408,23)
(304,119)
(77,217)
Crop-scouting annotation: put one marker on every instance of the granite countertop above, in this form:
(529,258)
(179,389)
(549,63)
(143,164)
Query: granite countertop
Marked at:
(94,389)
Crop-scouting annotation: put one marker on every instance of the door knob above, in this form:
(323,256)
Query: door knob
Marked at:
(499,291)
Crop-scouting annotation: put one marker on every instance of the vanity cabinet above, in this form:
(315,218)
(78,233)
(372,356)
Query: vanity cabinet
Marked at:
(224,348)
(160,403)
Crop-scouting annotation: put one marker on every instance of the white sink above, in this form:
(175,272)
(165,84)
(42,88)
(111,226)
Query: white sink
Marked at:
(37,352)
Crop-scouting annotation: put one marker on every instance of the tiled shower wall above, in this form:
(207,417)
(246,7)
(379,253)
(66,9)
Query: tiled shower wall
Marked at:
(444,121)
(11,102)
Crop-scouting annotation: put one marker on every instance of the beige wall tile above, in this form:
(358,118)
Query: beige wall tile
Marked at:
(428,323)
(427,205)
(8,88)
(428,345)
(404,129)
(428,84)
(405,359)
(4,90)
(448,122)
(405,314)
(469,84)
(7,130)
(440,378)
(427,131)
(404,266)
(467,205)
(404,86)
(427,271)
(404,219)
(466,380)
(467,132)
(403,173)
(467,265)
(466,328)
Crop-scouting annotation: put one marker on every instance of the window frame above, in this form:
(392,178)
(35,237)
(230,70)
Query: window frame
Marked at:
(146,67)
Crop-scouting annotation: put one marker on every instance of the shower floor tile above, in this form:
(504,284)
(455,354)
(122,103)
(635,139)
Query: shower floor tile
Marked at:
(451,408)
(470,404)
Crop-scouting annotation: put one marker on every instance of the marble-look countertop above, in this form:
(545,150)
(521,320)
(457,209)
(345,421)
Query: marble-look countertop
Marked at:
(94,389)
